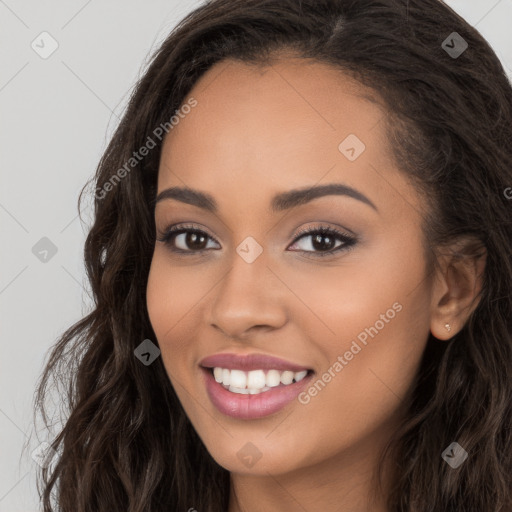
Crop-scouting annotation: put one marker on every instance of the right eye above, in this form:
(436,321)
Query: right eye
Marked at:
(186,239)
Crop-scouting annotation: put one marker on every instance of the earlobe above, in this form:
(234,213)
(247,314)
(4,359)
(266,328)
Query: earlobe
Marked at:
(456,290)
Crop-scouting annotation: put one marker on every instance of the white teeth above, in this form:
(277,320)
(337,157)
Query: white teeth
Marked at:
(255,381)
(286,377)
(247,391)
(300,375)
(255,391)
(226,375)
(238,379)
(234,389)
(217,373)
(273,378)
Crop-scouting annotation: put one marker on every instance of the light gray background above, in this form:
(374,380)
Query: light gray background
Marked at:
(57,115)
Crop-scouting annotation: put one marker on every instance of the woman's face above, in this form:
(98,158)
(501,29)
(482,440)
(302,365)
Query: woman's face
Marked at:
(352,307)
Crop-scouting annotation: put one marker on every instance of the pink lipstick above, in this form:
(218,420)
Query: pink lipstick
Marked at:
(252,386)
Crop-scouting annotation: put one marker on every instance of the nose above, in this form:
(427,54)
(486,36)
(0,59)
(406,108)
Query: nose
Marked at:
(250,297)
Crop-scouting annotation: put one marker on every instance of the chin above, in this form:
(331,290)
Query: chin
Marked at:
(256,455)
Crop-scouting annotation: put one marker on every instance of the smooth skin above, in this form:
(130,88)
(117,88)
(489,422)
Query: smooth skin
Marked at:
(256,132)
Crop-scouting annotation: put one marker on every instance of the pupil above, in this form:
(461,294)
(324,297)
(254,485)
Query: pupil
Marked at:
(317,242)
(196,240)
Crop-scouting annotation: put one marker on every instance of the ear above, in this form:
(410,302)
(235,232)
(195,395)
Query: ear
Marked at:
(457,286)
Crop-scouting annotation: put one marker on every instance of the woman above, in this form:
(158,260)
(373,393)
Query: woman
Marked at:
(301,264)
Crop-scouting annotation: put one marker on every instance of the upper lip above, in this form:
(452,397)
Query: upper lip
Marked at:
(250,362)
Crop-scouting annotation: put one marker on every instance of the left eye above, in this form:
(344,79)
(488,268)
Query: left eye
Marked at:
(324,241)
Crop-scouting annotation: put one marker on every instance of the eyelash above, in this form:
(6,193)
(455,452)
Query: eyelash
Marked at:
(348,240)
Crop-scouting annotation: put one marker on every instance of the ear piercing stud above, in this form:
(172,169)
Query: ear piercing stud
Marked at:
(448,327)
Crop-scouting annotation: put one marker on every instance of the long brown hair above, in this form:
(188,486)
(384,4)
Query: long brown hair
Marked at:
(126,443)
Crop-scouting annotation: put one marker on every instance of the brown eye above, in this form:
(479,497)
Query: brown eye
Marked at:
(186,240)
(194,240)
(323,241)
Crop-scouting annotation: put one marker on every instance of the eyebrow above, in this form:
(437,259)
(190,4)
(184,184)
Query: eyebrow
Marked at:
(280,202)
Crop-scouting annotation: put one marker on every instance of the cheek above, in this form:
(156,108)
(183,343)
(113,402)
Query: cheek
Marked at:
(160,300)
(370,382)
(369,367)
(169,299)
(172,293)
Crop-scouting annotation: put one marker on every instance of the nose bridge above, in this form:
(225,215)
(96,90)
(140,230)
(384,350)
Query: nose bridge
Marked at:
(247,296)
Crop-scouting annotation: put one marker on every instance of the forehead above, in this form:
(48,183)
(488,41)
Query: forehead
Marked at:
(257,130)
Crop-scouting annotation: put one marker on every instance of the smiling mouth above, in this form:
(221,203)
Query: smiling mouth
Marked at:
(255,381)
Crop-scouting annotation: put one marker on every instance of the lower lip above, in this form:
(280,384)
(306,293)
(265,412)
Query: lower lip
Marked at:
(248,407)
